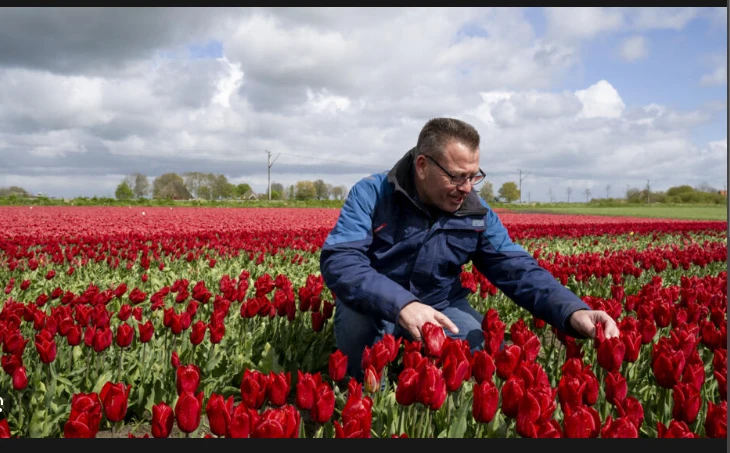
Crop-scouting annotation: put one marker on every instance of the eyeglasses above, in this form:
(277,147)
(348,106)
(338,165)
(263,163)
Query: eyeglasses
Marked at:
(459,180)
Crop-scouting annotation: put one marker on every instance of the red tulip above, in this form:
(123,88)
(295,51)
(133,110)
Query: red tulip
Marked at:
(188,410)
(124,312)
(358,409)
(279,423)
(621,428)
(337,365)
(174,360)
(4,429)
(667,367)
(146,330)
(14,343)
(570,391)
(610,352)
(483,367)
(125,335)
(188,378)
(254,387)
(102,338)
(162,420)
(20,379)
(242,421)
(306,388)
(324,404)
(10,363)
(615,387)
(687,403)
(716,420)
(581,422)
(85,417)
(46,347)
(631,408)
(675,430)
(114,398)
(405,392)
(218,411)
(485,402)
(506,360)
(197,334)
(512,391)
(431,385)
(433,339)
(279,387)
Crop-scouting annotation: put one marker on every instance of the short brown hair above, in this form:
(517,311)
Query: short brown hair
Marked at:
(438,132)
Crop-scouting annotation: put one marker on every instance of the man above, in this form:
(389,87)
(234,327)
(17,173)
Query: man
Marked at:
(394,257)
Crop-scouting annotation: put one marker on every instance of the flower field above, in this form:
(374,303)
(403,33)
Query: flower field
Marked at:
(215,322)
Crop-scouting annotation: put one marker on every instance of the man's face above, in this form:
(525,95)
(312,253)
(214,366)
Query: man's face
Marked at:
(434,185)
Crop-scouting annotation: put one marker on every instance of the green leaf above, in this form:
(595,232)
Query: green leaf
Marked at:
(37,423)
(458,426)
(103,379)
(268,360)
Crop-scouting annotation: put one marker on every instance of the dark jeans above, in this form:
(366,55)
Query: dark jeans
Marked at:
(354,331)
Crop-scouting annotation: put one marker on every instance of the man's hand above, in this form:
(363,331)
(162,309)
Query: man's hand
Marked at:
(414,315)
(584,322)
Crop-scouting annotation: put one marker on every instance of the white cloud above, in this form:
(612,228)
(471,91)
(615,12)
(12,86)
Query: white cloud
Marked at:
(660,18)
(600,100)
(581,22)
(634,48)
(716,77)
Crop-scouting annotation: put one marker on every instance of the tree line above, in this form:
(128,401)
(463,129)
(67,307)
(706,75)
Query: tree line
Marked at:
(210,186)
(702,194)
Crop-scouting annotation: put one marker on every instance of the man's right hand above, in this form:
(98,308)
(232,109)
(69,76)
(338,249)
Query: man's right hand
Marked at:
(414,315)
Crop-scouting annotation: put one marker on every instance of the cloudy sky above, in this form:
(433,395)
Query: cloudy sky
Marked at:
(576,99)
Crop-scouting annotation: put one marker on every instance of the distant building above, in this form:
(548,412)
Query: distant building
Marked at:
(250,195)
(723,193)
(175,190)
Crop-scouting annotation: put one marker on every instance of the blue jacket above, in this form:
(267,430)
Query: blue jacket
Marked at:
(386,251)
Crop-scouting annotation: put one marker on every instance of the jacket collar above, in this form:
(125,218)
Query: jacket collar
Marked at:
(401,176)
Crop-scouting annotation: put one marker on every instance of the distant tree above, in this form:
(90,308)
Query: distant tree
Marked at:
(608,190)
(588,194)
(277,191)
(338,192)
(487,191)
(193,180)
(141,185)
(550,194)
(509,192)
(169,185)
(568,191)
(634,195)
(305,190)
(124,192)
(290,191)
(320,190)
(705,187)
(220,186)
(13,190)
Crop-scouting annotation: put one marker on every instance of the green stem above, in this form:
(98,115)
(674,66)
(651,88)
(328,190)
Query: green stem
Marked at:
(119,367)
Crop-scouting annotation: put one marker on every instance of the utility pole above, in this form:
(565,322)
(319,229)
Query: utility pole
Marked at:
(270,164)
(648,190)
(521,178)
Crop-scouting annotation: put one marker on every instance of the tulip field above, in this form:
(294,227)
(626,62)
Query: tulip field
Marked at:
(215,322)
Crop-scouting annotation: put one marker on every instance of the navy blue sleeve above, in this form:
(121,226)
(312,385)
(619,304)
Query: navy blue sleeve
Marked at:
(518,275)
(345,266)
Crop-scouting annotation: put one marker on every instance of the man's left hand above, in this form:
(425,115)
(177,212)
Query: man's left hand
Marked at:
(584,322)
